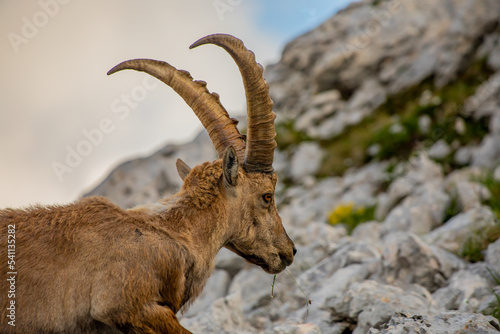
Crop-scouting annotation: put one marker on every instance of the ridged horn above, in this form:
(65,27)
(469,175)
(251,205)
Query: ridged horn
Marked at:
(207,107)
(260,144)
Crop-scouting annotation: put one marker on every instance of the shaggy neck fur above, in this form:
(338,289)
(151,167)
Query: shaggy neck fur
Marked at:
(197,218)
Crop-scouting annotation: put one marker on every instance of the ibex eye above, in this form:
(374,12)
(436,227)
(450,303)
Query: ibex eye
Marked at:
(267,197)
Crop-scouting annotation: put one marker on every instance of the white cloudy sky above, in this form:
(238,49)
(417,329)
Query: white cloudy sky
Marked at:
(53,83)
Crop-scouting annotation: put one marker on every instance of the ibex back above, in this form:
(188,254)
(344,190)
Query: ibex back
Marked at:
(92,267)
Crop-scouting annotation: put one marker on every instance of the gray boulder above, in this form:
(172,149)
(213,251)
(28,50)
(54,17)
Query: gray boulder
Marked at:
(407,260)
(420,212)
(445,323)
(372,50)
(225,316)
(418,177)
(492,257)
(453,235)
(464,292)
(308,328)
(371,304)
(215,288)
(306,160)
(230,262)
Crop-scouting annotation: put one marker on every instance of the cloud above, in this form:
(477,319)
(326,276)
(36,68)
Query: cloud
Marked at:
(55,55)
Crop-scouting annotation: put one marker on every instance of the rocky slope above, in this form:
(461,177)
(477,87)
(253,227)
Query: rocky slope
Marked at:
(389,147)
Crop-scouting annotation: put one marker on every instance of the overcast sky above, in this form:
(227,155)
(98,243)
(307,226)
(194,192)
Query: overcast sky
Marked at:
(55,95)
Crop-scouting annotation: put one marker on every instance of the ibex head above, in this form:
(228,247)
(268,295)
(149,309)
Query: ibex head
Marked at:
(247,180)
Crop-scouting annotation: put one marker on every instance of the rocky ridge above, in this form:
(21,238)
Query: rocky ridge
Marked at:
(389,147)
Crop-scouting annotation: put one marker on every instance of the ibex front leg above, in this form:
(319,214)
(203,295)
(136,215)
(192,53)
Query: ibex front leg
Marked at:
(152,319)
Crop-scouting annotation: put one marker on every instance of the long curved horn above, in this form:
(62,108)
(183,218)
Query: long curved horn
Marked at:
(260,129)
(207,107)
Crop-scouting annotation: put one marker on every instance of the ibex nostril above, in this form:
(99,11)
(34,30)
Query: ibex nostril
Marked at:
(294,251)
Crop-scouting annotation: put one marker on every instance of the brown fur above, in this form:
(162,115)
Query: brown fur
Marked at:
(92,267)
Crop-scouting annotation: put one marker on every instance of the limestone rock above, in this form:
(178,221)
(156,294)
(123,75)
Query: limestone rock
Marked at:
(439,150)
(492,257)
(464,292)
(215,288)
(447,323)
(453,234)
(372,50)
(371,304)
(306,160)
(225,316)
(229,261)
(416,180)
(308,328)
(418,213)
(407,260)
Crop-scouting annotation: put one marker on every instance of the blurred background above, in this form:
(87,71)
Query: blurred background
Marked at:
(55,97)
(388,145)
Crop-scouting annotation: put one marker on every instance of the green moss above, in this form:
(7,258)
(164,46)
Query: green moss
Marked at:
(477,242)
(287,135)
(395,144)
(475,245)
(390,176)
(495,312)
(472,250)
(443,114)
(494,307)
(453,209)
(349,149)
(488,180)
(404,109)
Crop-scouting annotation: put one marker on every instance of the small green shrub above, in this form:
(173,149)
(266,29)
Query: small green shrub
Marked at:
(453,208)
(443,109)
(350,149)
(287,135)
(478,241)
(488,180)
(351,215)
(475,245)
(494,307)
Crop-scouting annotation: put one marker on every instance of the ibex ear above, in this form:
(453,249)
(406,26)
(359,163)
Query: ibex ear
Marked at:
(230,166)
(182,168)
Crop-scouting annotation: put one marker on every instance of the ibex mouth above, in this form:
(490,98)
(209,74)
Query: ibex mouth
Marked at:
(254,259)
(257,260)
(285,259)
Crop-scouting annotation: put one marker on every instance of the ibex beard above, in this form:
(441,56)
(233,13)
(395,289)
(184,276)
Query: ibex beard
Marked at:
(93,267)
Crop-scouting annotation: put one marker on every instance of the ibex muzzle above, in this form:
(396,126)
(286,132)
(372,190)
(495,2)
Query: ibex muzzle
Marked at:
(92,267)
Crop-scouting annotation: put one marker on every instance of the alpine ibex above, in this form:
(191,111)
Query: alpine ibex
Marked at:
(92,267)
